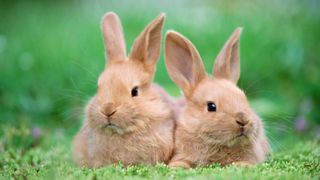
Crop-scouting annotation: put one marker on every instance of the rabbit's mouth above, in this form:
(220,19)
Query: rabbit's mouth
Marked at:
(237,138)
(242,138)
(113,128)
(110,125)
(242,135)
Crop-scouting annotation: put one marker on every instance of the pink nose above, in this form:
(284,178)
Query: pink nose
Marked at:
(108,109)
(241,119)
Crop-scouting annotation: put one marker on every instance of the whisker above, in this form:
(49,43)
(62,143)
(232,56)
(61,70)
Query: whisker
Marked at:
(91,73)
(246,89)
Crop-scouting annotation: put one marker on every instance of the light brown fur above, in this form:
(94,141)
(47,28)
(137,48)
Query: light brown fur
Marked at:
(119,126)
(204,137)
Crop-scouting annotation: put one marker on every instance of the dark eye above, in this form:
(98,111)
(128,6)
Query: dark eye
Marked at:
(212,107)
(134,91)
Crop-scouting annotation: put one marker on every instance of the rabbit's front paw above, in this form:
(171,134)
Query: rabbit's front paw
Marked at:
(183,164)
(242,164)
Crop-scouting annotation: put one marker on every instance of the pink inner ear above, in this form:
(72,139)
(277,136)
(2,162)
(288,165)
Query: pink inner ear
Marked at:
(235,62)
(183,62)
(227,65)
(154,46)
(146,48)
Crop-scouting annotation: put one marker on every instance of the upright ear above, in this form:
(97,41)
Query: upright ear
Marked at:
(146,47)
(113,37)
(227,65)
(183,62)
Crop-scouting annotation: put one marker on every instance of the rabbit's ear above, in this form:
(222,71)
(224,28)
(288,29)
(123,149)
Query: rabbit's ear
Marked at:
(227,65)
(113,37)
(183,62)
(146,47)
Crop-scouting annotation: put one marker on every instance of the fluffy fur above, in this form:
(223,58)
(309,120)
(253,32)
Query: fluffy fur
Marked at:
(233,133)
(119,126)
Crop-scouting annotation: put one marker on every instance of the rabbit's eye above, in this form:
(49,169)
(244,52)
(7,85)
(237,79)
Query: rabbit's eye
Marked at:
(212,107)
(134,91)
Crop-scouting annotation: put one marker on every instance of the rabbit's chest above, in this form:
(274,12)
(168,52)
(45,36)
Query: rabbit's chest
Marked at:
(206,155)
(226,156)
(136,148)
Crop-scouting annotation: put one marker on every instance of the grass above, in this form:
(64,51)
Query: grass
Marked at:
(298,160)
(51,54)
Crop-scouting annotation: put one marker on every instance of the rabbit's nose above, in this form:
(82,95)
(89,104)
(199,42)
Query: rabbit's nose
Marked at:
(108,109)
(241,119)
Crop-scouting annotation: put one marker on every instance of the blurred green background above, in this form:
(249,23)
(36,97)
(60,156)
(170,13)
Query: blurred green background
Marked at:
(51,53)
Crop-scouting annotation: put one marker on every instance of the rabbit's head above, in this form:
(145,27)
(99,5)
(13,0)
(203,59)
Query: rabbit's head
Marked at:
(125,95)
(217,110)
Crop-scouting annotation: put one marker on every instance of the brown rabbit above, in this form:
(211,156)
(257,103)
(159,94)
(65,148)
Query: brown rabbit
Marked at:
(130,119)
(217,124)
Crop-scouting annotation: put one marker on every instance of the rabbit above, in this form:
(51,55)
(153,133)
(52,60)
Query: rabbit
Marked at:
(216,124)
(130,119)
